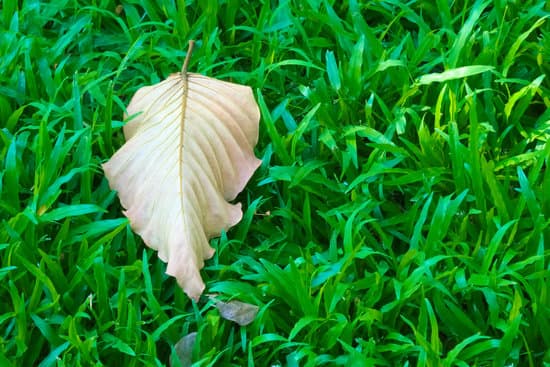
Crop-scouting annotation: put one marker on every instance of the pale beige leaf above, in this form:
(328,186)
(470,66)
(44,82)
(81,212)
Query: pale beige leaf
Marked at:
(188,151)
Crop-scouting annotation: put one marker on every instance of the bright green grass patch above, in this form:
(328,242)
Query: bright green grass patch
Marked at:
(400,216)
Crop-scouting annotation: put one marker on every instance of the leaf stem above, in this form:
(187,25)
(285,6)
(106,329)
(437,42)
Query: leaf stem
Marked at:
(188,56)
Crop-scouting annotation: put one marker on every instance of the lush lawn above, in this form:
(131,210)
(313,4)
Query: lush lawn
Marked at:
(400,217)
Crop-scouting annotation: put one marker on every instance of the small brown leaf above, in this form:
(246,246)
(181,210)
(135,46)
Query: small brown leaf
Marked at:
(237,311)
(184,349)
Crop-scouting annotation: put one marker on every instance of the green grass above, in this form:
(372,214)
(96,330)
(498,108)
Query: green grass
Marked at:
(400,216)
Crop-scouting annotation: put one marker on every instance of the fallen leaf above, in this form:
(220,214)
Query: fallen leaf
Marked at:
(240,312)
(184,349)
(188,151)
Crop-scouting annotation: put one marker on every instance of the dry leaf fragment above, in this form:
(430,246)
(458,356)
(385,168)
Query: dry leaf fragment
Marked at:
(240,312)
(188,151)
(184,349)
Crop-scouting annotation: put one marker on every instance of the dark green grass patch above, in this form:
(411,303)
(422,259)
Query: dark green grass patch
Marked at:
(400,216)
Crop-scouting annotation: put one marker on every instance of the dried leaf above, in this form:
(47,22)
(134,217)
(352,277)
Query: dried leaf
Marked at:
(237,311)
(184,349)
(188,151)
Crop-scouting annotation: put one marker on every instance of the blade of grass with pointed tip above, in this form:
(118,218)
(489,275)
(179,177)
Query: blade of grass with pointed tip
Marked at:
(452,74)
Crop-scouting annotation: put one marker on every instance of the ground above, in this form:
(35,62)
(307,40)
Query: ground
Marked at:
(399,217)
